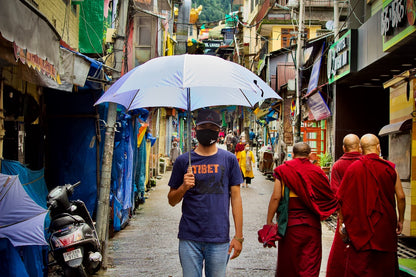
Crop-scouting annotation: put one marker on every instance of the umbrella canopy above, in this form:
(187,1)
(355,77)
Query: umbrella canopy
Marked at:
(21,220)
(166,81)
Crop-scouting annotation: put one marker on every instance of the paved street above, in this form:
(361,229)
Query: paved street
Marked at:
(148,245)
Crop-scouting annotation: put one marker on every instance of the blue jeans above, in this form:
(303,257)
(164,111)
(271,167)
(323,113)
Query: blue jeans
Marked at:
(192,255)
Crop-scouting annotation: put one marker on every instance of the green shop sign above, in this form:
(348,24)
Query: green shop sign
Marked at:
(342,56)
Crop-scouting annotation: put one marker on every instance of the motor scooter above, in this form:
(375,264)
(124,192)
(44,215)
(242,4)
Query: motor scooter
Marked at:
(73,240)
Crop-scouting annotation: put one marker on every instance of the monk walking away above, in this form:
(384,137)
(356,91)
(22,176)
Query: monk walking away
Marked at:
(367,196)
(301,198)
(352,152)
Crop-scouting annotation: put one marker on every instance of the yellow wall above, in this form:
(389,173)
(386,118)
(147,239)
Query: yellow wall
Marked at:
(401,109)
(13,78)
(411,197)
(63,18)
(162,133)
(275,42)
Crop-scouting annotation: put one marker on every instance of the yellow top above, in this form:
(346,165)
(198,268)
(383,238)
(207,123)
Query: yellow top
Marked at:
(291,193)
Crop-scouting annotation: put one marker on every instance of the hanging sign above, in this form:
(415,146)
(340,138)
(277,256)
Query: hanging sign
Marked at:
(342,56)
(318,107)
(314,79)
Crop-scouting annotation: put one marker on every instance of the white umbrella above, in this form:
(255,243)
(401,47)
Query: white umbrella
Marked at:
(188,82)
(163,82)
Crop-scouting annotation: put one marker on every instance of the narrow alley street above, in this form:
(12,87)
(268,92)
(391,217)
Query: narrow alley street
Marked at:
(148,245)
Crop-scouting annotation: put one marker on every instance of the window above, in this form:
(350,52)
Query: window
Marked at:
(288,34)
(143,43)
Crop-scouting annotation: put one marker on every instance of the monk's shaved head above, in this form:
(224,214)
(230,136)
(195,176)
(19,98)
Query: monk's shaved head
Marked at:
(370,144)
(351,143)
(301,150)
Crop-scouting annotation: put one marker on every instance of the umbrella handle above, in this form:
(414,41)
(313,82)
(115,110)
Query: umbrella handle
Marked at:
(188,93)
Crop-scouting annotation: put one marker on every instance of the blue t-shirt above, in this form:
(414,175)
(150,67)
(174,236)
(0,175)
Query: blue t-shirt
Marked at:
(206,207)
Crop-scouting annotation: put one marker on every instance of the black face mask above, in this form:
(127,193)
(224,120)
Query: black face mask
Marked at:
(207,137)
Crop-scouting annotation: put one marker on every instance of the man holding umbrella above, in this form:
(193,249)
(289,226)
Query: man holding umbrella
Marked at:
(207,186)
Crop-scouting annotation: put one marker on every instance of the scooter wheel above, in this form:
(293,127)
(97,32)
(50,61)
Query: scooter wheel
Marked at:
(75,272)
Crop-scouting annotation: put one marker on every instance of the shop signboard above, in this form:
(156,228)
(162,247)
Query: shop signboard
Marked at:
(211,46)
(318,107)
(342,56)
(397,22)
(35,62)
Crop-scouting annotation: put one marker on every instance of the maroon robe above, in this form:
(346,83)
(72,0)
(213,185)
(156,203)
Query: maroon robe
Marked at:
(337,255)
(339,168)
(367,200)
(300,250)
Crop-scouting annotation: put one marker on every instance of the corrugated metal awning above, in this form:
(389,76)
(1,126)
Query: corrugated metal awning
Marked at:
(23,24)
(397,127)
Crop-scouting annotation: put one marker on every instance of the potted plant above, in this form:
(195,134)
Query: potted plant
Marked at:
(325,160)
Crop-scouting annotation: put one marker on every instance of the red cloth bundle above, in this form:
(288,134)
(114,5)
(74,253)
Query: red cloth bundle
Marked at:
(268,235)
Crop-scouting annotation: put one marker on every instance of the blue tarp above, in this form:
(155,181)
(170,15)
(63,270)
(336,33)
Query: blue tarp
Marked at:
(73,150)
(23,261)
(129,165)
(23,247)
(72,143)
(32,180)
(11,264)
(122,172)
(140,170)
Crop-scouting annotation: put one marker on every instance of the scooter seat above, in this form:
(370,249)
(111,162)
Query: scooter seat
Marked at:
(65,220)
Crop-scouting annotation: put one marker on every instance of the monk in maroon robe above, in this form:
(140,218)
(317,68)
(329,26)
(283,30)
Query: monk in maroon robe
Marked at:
(367,197)
(352,152)
(310,200)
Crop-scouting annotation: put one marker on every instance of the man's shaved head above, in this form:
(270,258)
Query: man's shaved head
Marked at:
(301,150)
(370,144)
(351,143)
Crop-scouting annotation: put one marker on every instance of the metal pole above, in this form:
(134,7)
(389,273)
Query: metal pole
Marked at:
(103,206)
(336,19)
(188,122)
(299,58)
(333,120)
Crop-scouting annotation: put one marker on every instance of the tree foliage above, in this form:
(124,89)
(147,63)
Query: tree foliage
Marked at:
(213,10)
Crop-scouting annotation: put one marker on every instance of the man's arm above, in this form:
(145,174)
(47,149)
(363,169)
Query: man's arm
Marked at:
(175,195)
(274,201)
(401,203)
(237,210)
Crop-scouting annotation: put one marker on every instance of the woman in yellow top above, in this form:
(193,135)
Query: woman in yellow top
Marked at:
(247,162)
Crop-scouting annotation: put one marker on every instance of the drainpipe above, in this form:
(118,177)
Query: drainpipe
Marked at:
(103,209)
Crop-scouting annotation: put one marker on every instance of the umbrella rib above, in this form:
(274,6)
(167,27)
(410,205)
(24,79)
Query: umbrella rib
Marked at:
(251,105)
(23,220)
(132,99)
(7,181)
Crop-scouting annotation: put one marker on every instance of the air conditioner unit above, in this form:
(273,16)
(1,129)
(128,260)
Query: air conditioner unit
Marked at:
(293,3)
(291,85)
